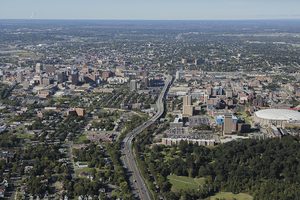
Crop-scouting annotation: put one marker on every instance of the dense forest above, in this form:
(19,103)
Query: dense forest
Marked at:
(265,169)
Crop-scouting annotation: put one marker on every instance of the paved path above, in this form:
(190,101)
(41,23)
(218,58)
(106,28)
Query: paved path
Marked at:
(197,182)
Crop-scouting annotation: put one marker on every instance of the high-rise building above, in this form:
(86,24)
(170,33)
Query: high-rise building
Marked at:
(145,81)
(20,77)
(26,84)
(46,81)
(227,127)
(133,85)
(61,77)
(38,68)
(50,69)
(188,108)
(199,61)
(75,79)
(228,93)
(187,100)
(145,74)
(184,61)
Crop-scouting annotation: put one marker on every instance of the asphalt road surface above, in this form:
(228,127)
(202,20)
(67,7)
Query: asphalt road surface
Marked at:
(137,183)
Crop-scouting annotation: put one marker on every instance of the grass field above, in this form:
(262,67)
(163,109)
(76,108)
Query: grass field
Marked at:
(81,139)
(230,196)
(200,180)
(181,182)
(84,169)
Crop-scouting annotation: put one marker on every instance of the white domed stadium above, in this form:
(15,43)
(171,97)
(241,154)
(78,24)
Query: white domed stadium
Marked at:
(276,117)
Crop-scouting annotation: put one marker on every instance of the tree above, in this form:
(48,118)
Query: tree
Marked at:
(248,113)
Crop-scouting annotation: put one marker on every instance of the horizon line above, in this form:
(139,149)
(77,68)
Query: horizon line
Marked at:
(159,19)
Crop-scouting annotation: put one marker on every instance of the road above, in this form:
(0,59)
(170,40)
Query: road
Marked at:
(71,165)
(16,177)
(137,183)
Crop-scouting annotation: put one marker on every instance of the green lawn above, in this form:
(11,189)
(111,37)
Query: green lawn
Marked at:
(81,139)
(200,180)
(182,178)
(230,196)
(181,182)
(103,111)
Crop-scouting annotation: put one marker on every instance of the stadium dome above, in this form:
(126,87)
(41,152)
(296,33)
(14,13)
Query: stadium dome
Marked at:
(276,116)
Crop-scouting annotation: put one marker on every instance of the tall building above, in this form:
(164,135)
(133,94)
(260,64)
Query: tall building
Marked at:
(26,84)
(145,81)
(46,81)
(188,108)
(184,61)
(38,68)
(145,78)
(75,79)
(61,77)
(133,85)
(227,129)
(50,69)
(228,93)
(145,74)
(187,100)
(199,61)
(20,77)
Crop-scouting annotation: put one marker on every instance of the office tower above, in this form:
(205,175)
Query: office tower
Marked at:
(20,77)
(178,75)
(145,81)
(133,85)
(38,68)
(26,84)
(227,127)
(199,61)
(184,61)
(46,81)
(145,74)
(50,69)
(228,93)
(188,108)
(61,77)
(187,100)
(75,79)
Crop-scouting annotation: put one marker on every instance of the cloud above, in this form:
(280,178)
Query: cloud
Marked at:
(32,15)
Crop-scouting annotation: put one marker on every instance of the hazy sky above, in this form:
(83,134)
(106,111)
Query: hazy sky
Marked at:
(150,9)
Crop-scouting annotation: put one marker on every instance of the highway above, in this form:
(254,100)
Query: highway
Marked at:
(137,183)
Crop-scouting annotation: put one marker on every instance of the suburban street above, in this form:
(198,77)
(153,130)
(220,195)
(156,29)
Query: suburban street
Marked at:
(137,183)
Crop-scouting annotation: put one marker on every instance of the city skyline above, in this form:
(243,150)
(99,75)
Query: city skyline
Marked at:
(150,10)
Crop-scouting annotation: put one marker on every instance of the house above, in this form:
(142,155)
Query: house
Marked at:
(81,174)
(28,169)
(101,190)
(79,164)
(91,177)
(61,150)
(2,190)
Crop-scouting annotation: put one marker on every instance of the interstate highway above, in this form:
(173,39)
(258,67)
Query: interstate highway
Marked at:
(139,187)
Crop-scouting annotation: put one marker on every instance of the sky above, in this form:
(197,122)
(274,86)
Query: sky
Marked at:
(150,9)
